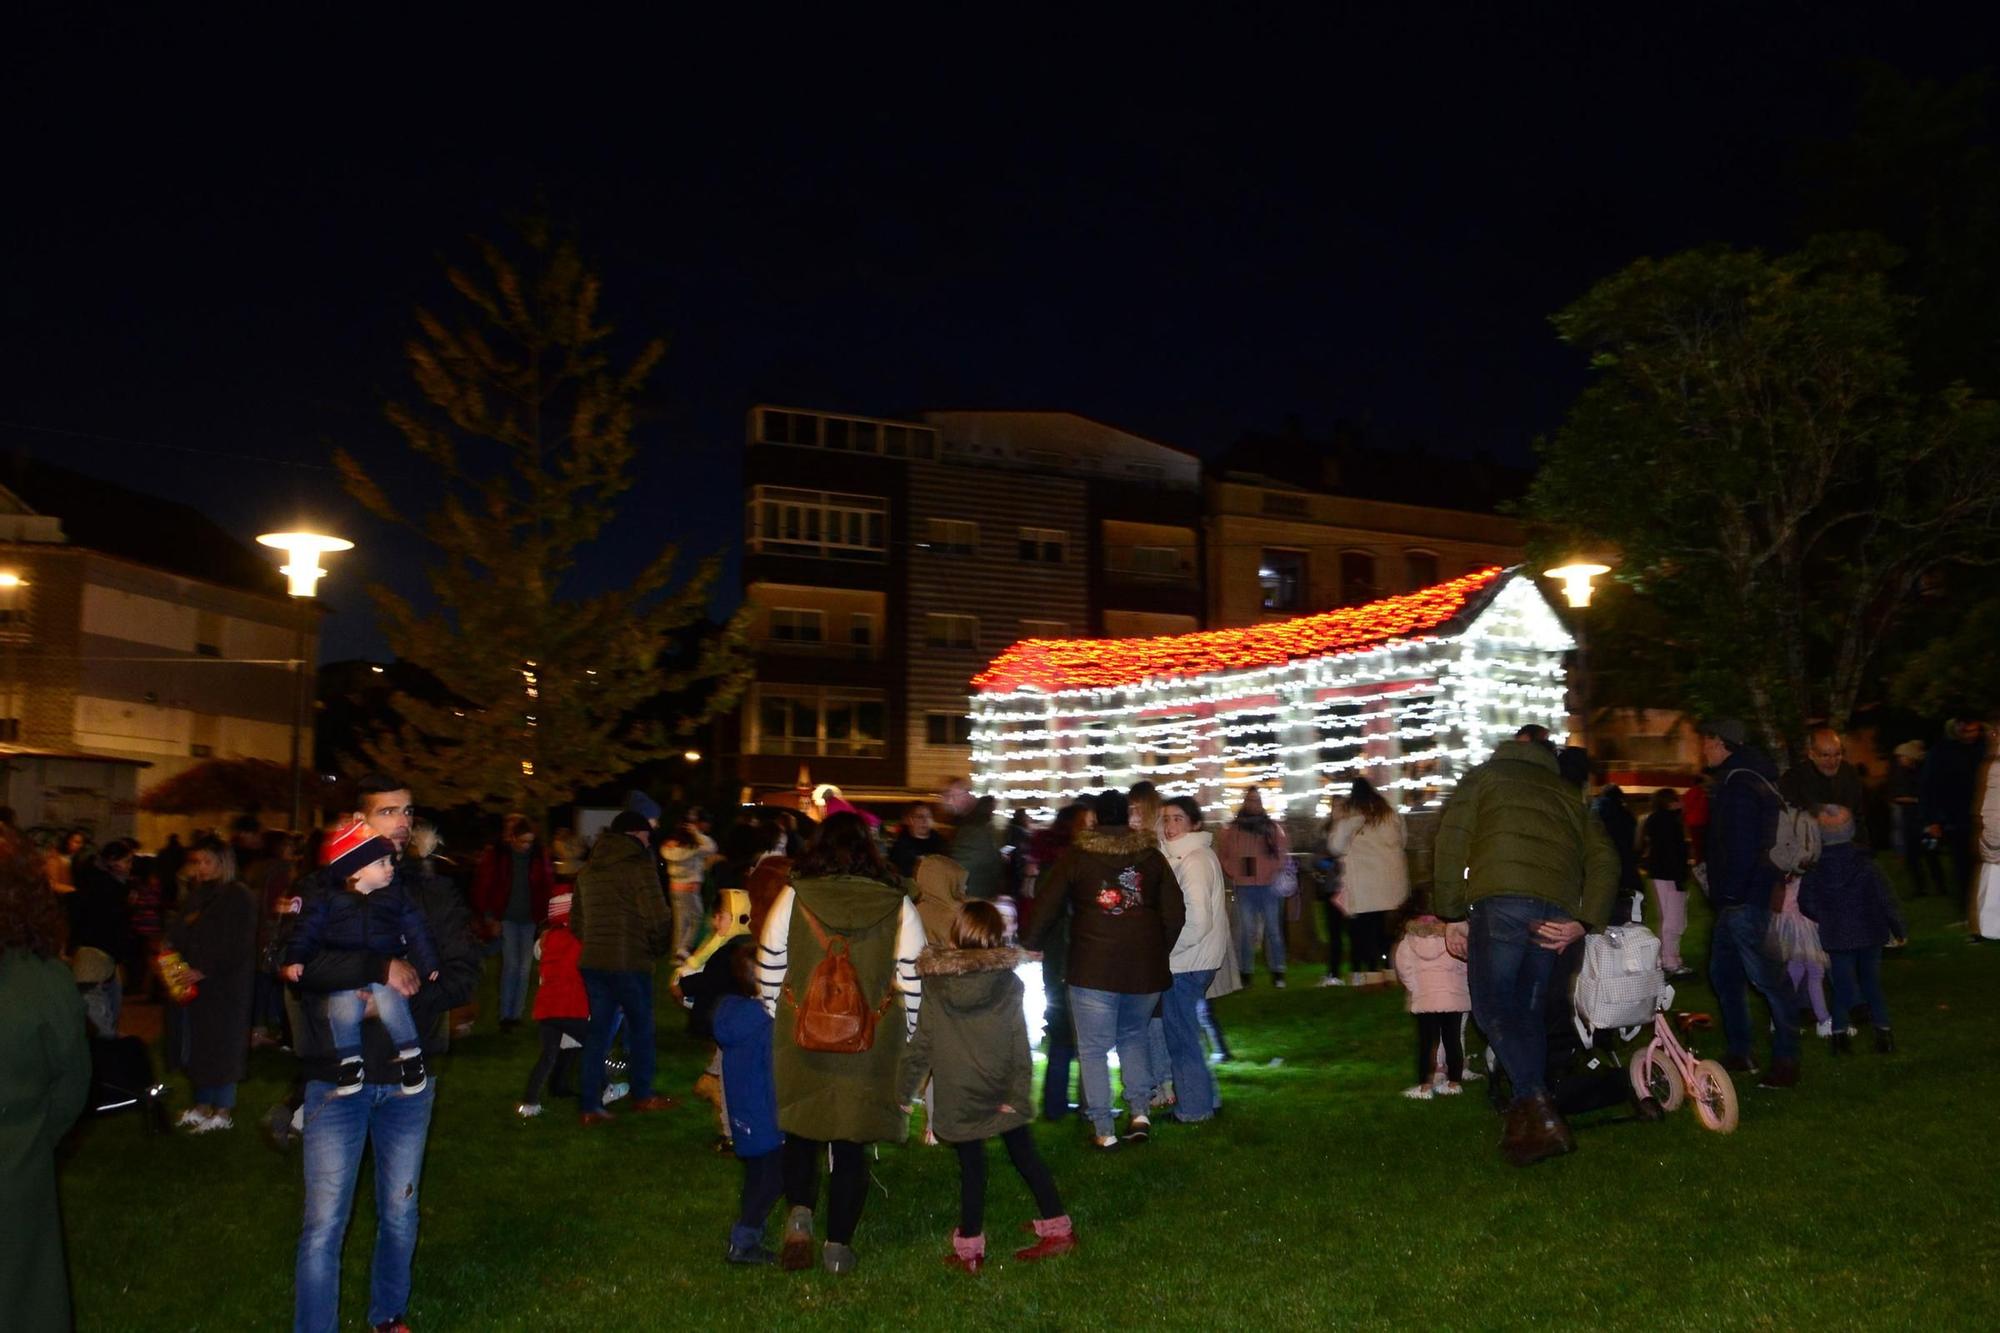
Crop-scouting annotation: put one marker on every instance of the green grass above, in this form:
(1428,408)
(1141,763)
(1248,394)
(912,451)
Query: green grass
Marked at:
(1863,1198)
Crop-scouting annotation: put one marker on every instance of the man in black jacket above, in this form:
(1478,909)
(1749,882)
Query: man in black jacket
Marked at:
(337,1129)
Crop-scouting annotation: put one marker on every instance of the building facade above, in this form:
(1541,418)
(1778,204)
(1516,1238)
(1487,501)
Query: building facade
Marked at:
(886,561)
(134,673)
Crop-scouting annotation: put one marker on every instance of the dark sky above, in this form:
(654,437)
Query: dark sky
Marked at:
(217,232)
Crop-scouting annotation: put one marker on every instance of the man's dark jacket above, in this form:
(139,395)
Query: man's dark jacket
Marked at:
(1805,786)
(444,908)
(1742,820)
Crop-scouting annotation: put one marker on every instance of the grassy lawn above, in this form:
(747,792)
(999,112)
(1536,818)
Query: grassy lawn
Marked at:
(1866,1197)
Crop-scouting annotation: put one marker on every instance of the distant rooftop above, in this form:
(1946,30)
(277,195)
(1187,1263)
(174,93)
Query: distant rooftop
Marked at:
(1366,467)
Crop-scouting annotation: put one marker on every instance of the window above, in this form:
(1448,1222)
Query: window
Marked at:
(1282,576)
(207,650)
(861,629)
(948,631)
(815,430)
(1357,578)
(1045,629)
(1160,562)
(1420,568)
(952,536)
(844,527)
(15,622)
(1284,506)
(793,625)
(201,751)
(1150,471)
(806,721)
(1043,545)
(947,729)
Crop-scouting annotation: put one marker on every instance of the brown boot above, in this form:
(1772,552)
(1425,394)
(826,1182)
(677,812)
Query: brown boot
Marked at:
(1514,1130)
(1543,1133)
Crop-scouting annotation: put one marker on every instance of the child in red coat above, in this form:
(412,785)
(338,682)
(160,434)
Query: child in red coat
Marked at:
(561,1009)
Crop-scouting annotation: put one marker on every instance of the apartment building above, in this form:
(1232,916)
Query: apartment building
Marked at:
(136,640)
(887,560)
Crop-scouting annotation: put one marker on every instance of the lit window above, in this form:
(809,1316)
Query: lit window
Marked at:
(796,625)
(784,521)
(804,721)
(951,536)
(1282,577)
(1045,629)
(949,631)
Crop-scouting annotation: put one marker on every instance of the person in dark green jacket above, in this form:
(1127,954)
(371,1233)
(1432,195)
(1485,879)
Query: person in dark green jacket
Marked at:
(1520,854)
(975,844)
(44,1081)
(617,912)
(972,1041)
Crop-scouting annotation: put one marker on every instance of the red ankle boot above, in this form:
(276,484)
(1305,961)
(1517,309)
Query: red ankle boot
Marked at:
(1053,1236)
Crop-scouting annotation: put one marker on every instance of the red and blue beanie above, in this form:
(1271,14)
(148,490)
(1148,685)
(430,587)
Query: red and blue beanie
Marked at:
(347,850)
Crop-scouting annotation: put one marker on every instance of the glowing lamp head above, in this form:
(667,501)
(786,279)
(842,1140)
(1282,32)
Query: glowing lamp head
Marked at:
(9,579)
(305,549)
(1575,580)
(692,756)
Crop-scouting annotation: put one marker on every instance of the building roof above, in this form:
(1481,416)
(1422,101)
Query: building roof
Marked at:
(145,529)
(1363,466)
(1049,665)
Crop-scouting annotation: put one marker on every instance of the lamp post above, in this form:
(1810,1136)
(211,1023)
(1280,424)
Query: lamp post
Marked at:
(303,574)
(1575,578)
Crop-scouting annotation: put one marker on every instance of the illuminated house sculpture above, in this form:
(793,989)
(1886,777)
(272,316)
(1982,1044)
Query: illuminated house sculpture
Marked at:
(1409,691)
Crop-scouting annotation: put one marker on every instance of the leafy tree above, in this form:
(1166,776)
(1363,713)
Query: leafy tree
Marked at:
(1753,448)
(526,433)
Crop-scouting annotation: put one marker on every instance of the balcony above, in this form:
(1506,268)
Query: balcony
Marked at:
(1157,565)
(818,650)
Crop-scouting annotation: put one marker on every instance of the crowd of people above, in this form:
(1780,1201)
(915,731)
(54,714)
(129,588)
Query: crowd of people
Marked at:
(844,972)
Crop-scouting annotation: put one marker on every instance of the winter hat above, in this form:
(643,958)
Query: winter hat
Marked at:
(92,967)
(633,821)
(347,850)
(839,805)
(1910,750)
(638,803)
(1730,731)
(559,908)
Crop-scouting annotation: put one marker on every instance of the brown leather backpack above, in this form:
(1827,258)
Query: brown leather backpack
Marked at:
(834,1016)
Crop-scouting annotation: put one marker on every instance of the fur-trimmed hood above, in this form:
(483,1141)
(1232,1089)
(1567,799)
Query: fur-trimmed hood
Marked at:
(1124,842)
(970,980)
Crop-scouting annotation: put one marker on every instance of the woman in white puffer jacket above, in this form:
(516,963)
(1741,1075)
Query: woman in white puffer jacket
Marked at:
(1374,878)
(1196,955)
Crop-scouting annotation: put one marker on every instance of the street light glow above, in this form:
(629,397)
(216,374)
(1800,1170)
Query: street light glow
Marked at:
(9,579)
(305,549)
(1575,579)
(692,756)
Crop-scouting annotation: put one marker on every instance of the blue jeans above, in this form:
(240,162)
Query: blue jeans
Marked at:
(1259,911)
(1736,959)
(1508,974)
(1863,966)
(337,1129)
(346,1008)
(1105,1019)
(612,994)
(1194,1084)
(517,966)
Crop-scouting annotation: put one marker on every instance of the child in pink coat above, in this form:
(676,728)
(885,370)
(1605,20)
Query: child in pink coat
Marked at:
(1430,962)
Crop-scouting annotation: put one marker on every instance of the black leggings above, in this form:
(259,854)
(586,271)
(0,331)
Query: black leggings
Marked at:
(763,1182)
(555,1060)
(1335,923)
(1371,944)
(1020,1145)
(1431,1029)
(846,1192)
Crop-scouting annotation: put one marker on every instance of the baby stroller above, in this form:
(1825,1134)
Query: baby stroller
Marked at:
(1621,988)
(1584,1070)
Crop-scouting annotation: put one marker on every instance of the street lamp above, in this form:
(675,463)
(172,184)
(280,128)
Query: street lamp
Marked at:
(1575,578)
(303,573)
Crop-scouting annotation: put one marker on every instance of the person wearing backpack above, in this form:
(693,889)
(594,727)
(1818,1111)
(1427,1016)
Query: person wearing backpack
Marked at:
(1743,820)
(837,971)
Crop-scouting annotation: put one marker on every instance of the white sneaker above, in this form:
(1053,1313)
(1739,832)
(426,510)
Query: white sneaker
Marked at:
(1448,1089)
(1420,1093)
(615,1091)
(1824,1028)
(528,1110)
(1331,979)
(1470,1075)
(190,1118)
(208,1124)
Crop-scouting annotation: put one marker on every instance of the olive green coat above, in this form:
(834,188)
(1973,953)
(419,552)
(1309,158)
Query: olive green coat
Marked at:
(44,1081)
(1514,826)
(823,1095)
(972,1039)
(617,909)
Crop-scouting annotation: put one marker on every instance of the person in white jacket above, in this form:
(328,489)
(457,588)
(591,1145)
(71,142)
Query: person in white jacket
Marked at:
(1197,953)
(1374,880)
(1986,896)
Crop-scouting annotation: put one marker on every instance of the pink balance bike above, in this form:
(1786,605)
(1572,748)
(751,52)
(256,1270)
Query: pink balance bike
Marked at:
(1668,1072)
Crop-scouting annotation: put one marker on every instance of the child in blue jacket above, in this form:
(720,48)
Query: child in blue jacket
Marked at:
(742,1030)
(368,913)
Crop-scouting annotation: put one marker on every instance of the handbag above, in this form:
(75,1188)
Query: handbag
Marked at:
(1286,885)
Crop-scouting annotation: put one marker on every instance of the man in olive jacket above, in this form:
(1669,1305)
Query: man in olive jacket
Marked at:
(618,913)
(1520,854)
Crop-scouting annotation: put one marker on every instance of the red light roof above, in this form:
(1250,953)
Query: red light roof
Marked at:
(1077,664)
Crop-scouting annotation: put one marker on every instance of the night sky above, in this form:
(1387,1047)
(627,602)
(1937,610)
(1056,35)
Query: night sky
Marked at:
(217,232)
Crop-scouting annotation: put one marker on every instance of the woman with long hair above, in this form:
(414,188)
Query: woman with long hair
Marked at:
(844,898)
(44,1082)
(1252,848)
(1375,877)
(1197,954)
(214,929)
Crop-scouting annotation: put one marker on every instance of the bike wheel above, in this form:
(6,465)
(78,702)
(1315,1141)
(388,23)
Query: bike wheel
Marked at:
(1653,1075)
(1714,1097)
